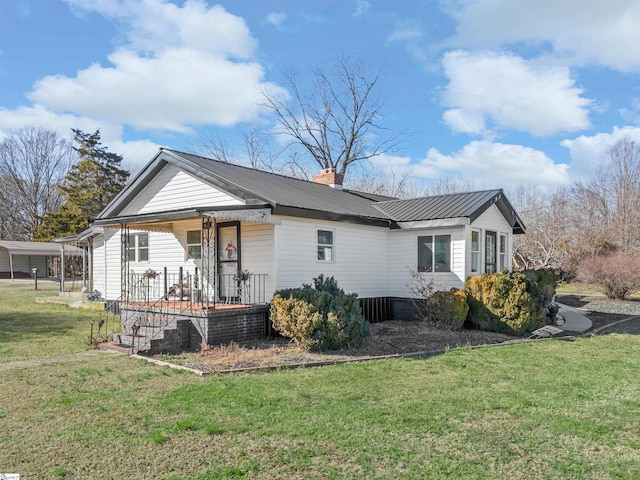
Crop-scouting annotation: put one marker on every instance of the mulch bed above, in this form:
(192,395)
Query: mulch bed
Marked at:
(392,338)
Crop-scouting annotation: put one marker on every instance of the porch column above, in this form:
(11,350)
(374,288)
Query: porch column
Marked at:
(11,264)
(90,264)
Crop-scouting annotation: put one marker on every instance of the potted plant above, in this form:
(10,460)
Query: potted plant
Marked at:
(150,273)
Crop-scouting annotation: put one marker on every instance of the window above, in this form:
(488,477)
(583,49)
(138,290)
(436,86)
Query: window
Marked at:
(490,252)
(434,253)
(475,251)
(138,247)
(503,252)
(325,245)
(194,244)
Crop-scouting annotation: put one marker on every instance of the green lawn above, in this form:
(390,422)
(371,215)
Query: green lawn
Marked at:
(539,410)
(30,330)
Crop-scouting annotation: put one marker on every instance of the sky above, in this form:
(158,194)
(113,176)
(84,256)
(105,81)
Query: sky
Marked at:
(494,93)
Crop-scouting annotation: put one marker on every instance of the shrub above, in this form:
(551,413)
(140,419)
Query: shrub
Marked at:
(617,274)
(504,302)
(446,309)
(319,317)
(542,283)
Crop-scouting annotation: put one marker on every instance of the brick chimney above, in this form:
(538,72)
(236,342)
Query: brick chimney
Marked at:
(328,176)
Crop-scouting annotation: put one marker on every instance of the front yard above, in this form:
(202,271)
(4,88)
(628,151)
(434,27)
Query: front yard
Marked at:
(538,410)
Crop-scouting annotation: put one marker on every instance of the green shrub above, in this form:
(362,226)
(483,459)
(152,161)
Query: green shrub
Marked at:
(504,302)
(319,317)
(542,282)
(446,309)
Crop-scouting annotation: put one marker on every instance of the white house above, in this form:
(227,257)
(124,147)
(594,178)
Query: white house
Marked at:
(229,234)
(202,217)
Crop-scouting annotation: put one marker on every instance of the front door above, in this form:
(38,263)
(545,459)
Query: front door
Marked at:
(228,235)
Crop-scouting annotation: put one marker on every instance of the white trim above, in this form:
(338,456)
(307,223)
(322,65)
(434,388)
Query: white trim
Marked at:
(443,222)
(332,245)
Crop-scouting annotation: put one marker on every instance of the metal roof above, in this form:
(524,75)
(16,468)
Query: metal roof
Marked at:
(41,249)
(280,190)
(297,197)
(453,205)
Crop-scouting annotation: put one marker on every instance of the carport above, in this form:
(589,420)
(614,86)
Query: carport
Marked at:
(22,257)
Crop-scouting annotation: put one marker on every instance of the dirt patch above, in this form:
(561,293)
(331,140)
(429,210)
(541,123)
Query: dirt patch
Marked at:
(387,338)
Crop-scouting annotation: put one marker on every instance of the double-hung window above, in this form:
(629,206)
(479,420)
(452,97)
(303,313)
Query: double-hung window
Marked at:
(434,253)
(138,250)
(475,251)
(194,245)
(502,249)
(325,245)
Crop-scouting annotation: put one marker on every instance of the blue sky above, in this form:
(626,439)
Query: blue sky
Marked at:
(496,93)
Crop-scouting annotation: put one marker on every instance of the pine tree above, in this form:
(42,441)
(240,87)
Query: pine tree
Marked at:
(88,188)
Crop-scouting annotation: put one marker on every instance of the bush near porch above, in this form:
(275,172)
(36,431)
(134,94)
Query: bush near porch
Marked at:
(319,317)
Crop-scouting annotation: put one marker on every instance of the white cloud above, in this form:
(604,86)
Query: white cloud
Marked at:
(362,7)
(632,114)
(411,35)
(583,31)
(276,19)
(171,91)
(494,165)
(151,26)
(135,153)
(589,151)
(489,91)
(182,66)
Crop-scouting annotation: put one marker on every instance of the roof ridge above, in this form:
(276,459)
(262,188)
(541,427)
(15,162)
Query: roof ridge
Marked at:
(241,166)
(440,195)
(281,175)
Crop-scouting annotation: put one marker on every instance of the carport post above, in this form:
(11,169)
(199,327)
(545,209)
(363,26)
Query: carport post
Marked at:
(62,267)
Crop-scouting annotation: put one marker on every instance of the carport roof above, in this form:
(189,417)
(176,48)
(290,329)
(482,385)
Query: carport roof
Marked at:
(41,249)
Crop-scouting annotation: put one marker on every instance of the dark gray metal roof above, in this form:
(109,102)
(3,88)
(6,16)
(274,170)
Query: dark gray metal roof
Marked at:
(280,190)
(296,197)
(454,205)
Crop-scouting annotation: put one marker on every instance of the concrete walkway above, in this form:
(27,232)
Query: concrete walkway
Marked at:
(575,321)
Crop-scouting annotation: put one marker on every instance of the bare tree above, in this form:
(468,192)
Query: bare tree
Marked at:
(336,120)
(548,241)
(33,162)
(608,206)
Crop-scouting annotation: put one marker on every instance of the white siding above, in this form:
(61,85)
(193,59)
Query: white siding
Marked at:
(404,259)
(173,189)
(361,261)
(98,264)
(493,221)
(168,249)
(257,252)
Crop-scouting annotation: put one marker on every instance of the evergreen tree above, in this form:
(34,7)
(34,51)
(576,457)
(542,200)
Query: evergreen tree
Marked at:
(90,185)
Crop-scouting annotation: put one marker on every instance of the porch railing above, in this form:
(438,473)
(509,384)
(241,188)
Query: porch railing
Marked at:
(198,288)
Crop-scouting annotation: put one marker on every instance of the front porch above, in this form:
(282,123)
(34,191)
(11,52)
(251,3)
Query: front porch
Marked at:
(188,282)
